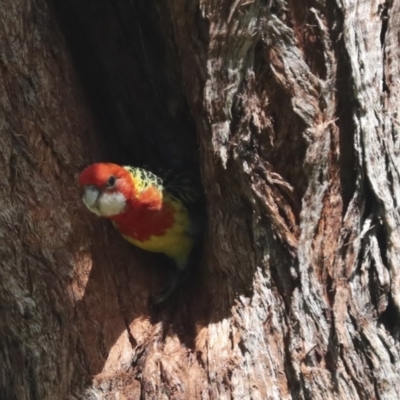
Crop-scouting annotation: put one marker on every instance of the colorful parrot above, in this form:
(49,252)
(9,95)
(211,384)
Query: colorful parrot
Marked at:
(150,212)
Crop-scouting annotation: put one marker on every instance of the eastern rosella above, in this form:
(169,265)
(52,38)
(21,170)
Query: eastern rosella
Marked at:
(148,211)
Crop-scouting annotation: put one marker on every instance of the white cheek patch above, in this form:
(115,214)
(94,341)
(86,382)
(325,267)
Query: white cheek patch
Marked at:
(110,204)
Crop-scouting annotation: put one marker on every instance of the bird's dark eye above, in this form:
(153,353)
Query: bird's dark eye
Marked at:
(111,180)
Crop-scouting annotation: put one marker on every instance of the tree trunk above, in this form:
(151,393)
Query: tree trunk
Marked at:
(289,111)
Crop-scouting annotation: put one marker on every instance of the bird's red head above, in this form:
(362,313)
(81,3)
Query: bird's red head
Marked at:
(102,175)
(107,188)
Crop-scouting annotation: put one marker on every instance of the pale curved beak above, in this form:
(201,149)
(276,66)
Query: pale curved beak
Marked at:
(90,199)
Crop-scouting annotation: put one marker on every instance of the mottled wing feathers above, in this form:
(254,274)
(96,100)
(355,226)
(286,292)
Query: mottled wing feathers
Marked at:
(177,184)
(144,179)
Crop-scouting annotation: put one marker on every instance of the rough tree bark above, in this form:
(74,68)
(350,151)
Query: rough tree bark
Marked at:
(294,107)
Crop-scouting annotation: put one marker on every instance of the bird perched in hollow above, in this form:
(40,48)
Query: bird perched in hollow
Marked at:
(150,212)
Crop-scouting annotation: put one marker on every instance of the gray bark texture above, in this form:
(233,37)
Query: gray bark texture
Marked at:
(289,111)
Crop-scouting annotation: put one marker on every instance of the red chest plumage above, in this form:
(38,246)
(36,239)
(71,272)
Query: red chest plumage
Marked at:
(144,219)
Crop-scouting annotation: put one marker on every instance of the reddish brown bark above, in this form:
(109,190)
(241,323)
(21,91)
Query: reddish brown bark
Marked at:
(289,110)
